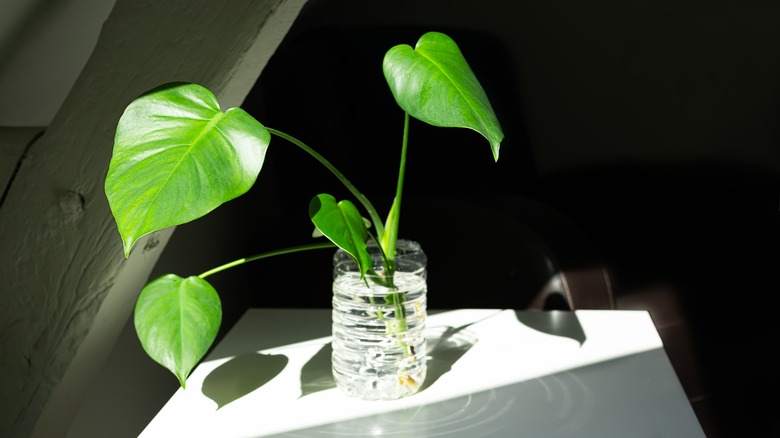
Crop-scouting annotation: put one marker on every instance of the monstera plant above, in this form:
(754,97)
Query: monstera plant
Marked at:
(177,156)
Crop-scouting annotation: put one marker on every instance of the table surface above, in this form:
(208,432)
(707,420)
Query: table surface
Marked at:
(491,372)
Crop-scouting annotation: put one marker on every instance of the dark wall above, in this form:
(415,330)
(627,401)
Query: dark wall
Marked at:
(651,126)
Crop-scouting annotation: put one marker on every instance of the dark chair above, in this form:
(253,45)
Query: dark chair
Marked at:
(507,251)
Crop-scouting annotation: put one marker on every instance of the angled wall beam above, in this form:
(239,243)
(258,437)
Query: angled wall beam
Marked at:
(66,288)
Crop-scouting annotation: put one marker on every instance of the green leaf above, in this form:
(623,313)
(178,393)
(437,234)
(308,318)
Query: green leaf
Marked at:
(177,320)
(391,229)
(177,157)
(342,224)
(434,84)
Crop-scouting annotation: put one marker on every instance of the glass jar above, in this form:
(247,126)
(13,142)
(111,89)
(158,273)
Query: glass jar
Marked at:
(379,348)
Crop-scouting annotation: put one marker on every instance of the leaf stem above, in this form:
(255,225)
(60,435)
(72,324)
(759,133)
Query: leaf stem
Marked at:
(388,245)
(372,212)
(388,241)
(266,255)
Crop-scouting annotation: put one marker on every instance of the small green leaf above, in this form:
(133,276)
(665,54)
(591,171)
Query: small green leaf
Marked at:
(342,224)
(391,229)
(176,321)
(317,233)
(434,84)
(177,157)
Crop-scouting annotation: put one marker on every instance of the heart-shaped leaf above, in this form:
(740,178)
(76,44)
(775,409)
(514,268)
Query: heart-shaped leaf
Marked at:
(177,320)
(434,84)
(342,224)
(177,157)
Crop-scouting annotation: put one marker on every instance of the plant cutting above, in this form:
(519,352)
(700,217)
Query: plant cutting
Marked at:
(177,156)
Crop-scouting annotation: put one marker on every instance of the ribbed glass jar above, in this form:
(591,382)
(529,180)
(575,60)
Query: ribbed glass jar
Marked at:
(379,349)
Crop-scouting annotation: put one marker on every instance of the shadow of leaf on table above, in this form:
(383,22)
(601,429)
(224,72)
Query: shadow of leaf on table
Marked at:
(556,323)
(444,349)
(316,374)
(241,375)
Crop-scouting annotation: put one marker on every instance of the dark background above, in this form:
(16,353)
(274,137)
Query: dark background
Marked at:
(651,126)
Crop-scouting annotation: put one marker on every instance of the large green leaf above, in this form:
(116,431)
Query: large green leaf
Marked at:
(342,224)
(434,83)
(177,157)
(177,320)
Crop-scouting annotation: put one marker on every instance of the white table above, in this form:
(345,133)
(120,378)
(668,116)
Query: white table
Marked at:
(499,373)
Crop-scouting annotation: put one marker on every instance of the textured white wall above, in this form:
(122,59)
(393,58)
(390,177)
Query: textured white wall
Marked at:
(67,290)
